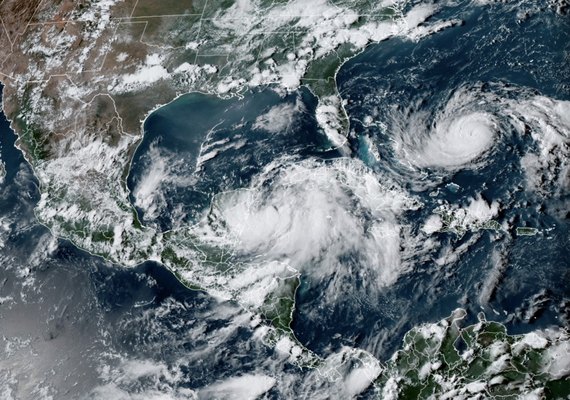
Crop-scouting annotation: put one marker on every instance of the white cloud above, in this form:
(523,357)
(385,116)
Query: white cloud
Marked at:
(458,141)
(549,124)
(329,117)
(461,218)
(45,247)
(457,136)
(279,118)
(144,76)
(433,224)
(2,171)
(148,194)
(359,379)
(161,172)
(558,359)
(479,211)
(311,215)
(245,387)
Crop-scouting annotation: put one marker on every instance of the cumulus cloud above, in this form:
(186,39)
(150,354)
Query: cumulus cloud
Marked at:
(137,379)
(311,215)
(148,195)
(279,118)
(160,172)
(459,219)
(547,168)
(245,387)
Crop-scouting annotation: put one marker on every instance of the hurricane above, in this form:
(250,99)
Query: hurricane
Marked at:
(456,135)
(320,200)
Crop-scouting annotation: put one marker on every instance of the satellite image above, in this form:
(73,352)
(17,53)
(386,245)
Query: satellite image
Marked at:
(284,199)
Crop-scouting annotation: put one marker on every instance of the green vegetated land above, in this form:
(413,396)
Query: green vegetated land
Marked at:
(446,361)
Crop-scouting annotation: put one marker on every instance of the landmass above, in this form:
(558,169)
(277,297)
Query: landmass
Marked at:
(476,215)
(447,361)
(80,77)
(526,231)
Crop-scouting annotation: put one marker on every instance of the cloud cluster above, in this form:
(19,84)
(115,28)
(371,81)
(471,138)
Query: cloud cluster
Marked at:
(329,219)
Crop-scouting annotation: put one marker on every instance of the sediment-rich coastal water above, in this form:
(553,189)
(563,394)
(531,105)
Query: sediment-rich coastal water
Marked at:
(450,157)
(442,116)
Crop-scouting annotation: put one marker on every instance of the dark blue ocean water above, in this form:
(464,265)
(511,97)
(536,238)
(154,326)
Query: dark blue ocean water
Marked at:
(181,128)
(72,314)
(492,48)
